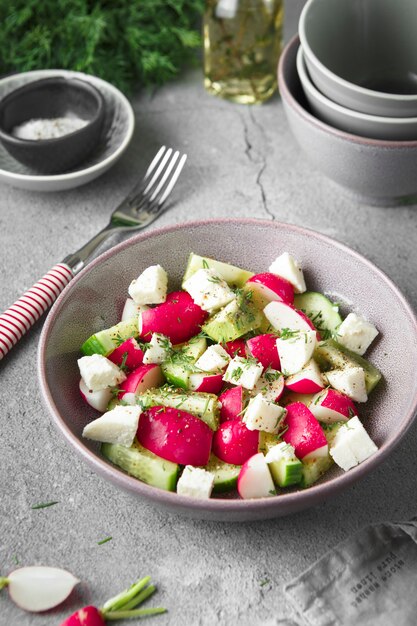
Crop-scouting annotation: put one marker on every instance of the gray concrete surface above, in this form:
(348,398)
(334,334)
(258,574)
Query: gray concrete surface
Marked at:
(242,162)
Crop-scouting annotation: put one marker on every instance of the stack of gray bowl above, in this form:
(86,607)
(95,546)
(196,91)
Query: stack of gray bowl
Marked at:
(349,88)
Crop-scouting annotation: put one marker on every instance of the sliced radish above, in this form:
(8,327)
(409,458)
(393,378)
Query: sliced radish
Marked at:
(141,379)
(271,385)
(295,350)
(272,287)
(97,399)
(132,310)
(309,380)
(332,406)
(304,432)
(175,435)
(128,354)
(232,404)
(264,348)
(178,318)
(236,348)
(87,616)
(282,315)
(39,588)
(205,382)
(255,480)
(234,443)
(318,453)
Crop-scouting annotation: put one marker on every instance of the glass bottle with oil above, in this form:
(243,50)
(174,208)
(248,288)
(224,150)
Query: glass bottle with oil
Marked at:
(242,45)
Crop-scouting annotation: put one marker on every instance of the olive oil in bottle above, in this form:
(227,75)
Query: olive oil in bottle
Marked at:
(242,45)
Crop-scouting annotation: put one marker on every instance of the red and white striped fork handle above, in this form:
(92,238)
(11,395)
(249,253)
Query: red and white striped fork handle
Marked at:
(17,320)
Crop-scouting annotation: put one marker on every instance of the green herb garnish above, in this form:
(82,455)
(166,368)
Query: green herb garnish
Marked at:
(100,543)
(44,505)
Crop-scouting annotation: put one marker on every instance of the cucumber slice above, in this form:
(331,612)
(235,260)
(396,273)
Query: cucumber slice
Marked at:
(234,276)
(105,341)
(143,464)
(313,470)
(225,475)
(331,355)
(233,321)
(286,472)
(202,405)
(178,368)
(323,312)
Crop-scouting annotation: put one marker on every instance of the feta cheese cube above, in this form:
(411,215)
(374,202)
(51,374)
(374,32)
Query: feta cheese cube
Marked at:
(352,444)
(215,358)
(287,267)
(356,334)
(116,426)
(195,482)
(281,452)
(261,414)
(350,381)
(150,287)
(208,290)
(243,372)
(98,372)
(158,350)
(295,350)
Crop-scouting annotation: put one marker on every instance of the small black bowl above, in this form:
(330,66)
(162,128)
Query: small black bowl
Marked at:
(52,98)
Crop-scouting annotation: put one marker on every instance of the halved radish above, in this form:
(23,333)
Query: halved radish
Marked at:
(232,404)
(304,432)
(264,348)
(332,406)
(179,318)
(97,399)
(175,435)
(282,315)
(142,378)
(308,380)
(234,443)
(235,348)
(210,383)
(131,309)
(129,354)
(40,588)
(255,480)
(272,287)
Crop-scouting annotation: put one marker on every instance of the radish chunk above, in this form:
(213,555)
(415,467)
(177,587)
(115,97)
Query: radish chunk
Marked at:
(356,334)
(131,309)
(295,349)
(243,372)
(271,287)
(255,480)
(215,358)
(141,379)
(97,399)
(287,267)
(150,287)
(304,432)
(270,385)
(234,443)
(332,406)
(87,616)
(178,318)
(211,383)
(129,354)
(264,348)
(116,426)
(98,372)
(308,380)
(208,290)
(261,414)
(195,482)
(284,316)
(175,435)
(40,588)
(236,348)
(231,402)
(350,381)
(159,349)
(351,445)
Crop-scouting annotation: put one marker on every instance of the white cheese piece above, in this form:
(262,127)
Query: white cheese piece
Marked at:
(296,350)
(287,267)
(270,385)
(243,372)
(158,350)
(116,426)
(281,452)
(261,414)
(350,381)
(356,334)
(352,444)
(208,290)
(98,372)
(150,287)
(215,358)
(132,310)
(195,482)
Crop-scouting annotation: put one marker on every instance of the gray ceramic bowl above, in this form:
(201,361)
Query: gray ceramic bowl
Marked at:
(376,171)
(362,124)
(363,55)
(95,297)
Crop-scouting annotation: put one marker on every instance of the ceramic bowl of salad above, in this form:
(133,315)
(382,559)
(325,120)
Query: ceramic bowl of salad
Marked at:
(231,383)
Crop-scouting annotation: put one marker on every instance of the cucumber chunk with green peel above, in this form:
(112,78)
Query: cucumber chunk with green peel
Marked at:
(178,368)
(314,469)
(105,341)
(323,312)
(234,276)
(233,321)
(331,355)
(225,474)
(202,405)
(286,473)
(143,464)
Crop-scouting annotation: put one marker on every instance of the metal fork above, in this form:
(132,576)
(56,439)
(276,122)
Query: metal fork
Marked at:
(143,205)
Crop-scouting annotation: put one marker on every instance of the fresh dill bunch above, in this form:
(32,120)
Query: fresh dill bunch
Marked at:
(130,43)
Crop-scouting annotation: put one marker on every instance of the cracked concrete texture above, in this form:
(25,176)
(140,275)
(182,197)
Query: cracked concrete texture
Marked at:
(243,162)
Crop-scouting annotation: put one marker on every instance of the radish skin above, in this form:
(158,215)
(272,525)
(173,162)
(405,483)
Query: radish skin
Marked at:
(232,404)
(129,353)
(234,443)
(236,348)
(179,318)
(272,287)
(206,383)
(141,379)
(87,616)
(304,433)
(332,406)
(264,348)
(39,588)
